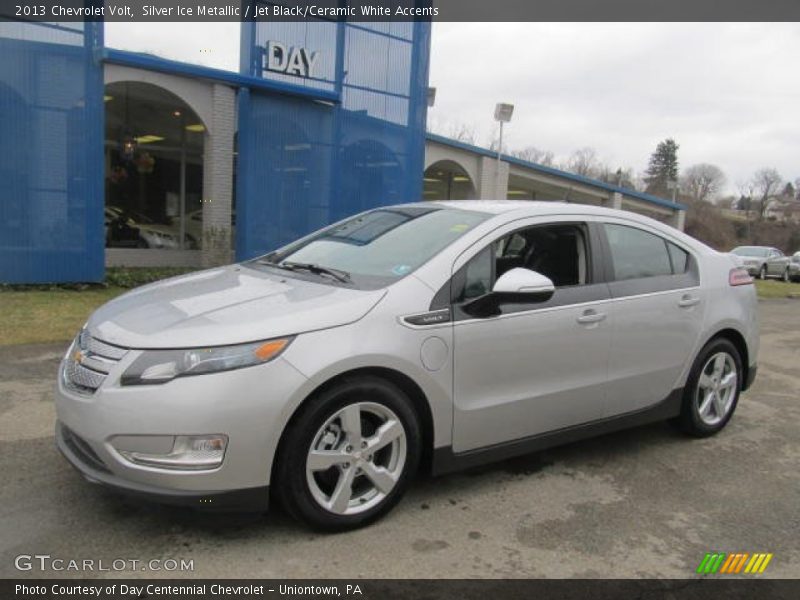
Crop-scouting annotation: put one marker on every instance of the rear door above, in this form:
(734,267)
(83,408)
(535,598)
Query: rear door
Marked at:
(656,310)
(776,262)
(530,368)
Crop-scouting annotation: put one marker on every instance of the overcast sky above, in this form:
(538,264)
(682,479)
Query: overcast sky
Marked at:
(728,93)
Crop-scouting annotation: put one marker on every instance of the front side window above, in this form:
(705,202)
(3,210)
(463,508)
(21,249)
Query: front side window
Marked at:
(557,251)
(381,246)
(637,253)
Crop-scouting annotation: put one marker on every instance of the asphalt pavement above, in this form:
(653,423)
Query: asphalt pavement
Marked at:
(647,502)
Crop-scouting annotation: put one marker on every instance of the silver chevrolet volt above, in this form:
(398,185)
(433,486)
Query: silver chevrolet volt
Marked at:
(430,336)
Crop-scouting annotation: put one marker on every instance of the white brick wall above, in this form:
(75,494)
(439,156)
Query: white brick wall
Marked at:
(493,183)
(218,177)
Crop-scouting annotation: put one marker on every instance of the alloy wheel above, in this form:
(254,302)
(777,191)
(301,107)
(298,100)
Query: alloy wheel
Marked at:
(356,458)
(716,388)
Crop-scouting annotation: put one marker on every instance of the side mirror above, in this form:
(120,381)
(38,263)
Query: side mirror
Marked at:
(524,283)
(515,286)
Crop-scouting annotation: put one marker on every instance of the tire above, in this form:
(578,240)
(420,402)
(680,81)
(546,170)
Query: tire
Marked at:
(762,273)
(327,446)
(701,415)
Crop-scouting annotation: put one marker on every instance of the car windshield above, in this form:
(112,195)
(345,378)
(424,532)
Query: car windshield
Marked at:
(751,251)
(383,245)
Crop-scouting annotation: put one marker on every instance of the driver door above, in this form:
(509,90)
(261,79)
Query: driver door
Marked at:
(532,367)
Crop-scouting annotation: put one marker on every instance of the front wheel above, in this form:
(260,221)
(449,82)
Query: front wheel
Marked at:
(712,389)
(350,455)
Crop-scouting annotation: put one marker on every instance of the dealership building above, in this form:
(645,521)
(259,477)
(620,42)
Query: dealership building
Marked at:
(112,157)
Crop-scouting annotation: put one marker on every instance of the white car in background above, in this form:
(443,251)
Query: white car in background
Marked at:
(764,261)
(151,234)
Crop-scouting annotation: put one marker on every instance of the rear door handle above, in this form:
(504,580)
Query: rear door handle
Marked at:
(688,301)
(591,316)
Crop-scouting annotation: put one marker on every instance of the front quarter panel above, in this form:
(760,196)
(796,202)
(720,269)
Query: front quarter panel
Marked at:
(382,340)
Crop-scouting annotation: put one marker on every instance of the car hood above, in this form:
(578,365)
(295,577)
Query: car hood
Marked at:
(228,305)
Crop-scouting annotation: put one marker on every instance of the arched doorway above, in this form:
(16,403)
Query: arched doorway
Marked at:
(154,145)
(447,180)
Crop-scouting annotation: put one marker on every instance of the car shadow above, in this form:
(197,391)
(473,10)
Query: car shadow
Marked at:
(595,454)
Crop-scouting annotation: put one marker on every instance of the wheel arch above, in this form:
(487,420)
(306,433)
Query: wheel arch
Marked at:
(418,398)
(738,340)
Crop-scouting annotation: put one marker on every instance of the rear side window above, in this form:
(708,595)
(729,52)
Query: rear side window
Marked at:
(637,253)
(679,258)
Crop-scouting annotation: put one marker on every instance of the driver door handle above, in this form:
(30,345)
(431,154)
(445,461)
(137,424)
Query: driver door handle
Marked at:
(688,301)
(591,316)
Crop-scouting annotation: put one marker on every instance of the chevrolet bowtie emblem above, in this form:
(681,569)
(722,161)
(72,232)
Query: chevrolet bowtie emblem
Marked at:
(77,356)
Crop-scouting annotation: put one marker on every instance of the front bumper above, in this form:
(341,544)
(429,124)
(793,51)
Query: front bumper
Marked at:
(249,406)
(81,457)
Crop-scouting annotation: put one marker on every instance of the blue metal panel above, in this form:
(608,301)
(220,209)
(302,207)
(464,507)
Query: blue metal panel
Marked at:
(303,164)
(51,153)
(174,67)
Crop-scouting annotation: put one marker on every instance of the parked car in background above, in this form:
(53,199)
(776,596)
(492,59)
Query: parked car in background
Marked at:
(435,334)
(120,223)
(764,261)
(119,231)
(794,267)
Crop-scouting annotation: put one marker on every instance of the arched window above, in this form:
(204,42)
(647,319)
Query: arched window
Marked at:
(153,169)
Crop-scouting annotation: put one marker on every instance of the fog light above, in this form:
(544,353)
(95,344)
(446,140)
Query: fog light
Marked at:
(189,452)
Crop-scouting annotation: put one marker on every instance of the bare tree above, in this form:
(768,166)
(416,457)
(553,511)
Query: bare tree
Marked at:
(461,132)
(621,177)
(766,183)
(702,182)
(583,162)
(535,155)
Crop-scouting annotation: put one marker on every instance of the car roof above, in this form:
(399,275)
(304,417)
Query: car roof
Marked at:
(535,208)
(497,207)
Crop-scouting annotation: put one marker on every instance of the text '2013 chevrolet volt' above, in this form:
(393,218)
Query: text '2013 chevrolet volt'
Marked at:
(435,335)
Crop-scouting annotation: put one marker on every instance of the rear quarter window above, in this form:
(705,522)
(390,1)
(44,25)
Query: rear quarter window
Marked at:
(637,253)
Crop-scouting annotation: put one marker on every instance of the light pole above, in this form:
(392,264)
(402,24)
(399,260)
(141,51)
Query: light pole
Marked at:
(502,114)
(672,185)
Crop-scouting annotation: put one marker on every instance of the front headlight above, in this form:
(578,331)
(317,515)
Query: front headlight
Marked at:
(160,366)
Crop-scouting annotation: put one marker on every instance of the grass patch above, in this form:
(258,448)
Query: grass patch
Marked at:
(772,288)
(39,313)
(38,316)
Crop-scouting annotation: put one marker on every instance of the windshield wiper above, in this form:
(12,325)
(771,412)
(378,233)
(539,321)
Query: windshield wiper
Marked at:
(338,275)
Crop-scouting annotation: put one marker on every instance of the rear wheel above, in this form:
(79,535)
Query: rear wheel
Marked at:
(712,389)
(350,455)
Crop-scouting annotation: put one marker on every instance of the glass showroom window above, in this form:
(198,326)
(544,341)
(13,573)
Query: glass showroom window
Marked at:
(153,169)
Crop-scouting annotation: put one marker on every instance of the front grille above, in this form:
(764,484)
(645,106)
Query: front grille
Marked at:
(82,450)
(81,378)
(89,362)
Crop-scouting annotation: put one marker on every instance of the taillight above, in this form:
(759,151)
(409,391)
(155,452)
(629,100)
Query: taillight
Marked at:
(739,276)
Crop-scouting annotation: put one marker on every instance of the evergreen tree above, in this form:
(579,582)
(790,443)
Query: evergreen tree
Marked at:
(662,168)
